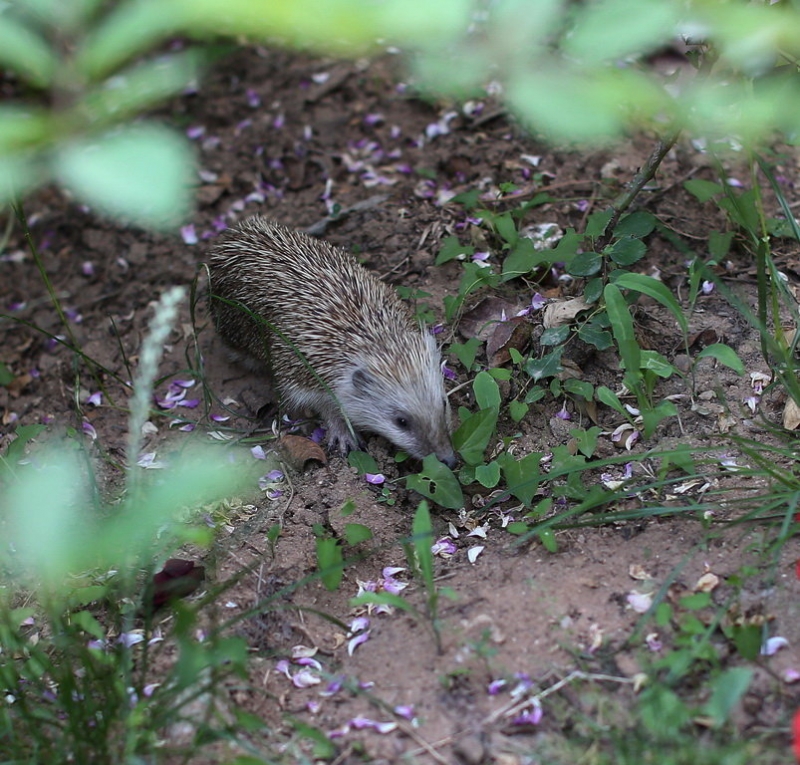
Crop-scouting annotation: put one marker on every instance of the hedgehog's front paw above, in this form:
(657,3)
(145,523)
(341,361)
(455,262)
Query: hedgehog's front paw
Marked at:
(339,437)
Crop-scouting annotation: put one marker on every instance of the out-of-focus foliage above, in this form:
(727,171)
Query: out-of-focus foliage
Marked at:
(572,71)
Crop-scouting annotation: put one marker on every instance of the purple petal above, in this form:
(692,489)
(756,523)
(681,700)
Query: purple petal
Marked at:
(305,678)
(773,645)
(496,686)
(376,479)
(355,642)
(188,234)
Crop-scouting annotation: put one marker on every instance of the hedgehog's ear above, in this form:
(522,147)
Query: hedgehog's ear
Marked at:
(363,381)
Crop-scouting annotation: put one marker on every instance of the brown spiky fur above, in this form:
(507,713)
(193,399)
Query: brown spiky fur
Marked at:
(338,340)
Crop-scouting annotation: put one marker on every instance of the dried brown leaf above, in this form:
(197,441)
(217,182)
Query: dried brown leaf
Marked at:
(297,451)
(514,333)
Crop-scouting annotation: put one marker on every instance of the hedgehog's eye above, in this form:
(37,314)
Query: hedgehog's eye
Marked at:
(401,422)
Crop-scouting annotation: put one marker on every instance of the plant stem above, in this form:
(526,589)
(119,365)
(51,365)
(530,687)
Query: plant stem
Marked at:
(18,211)
(640,180)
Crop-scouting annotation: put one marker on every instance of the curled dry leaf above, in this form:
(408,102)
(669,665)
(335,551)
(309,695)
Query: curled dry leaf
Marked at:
(18,385)
(791,415)
(514,333)
(707,582)
(635,571)
(704,338)
(299,450)
(481,320)
(177,579)
(557,314)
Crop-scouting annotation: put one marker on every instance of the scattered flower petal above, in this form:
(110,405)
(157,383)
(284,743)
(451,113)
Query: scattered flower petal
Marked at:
(640,602)
(773,645)
(188,234)
(474,552)
(791,675)
(305,678)
(496,686)
(405,710)
(444,547)
(653,643)
(376,479)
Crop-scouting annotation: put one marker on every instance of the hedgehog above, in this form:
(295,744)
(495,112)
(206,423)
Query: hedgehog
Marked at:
(338,340)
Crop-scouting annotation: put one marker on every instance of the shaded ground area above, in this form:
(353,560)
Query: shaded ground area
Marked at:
(296,139)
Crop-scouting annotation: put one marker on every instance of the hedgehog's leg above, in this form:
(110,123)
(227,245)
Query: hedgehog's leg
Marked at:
(339,435)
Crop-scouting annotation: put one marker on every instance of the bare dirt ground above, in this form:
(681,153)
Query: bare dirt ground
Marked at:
(286,136)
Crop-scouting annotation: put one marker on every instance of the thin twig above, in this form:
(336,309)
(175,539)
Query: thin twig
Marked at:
(640,180)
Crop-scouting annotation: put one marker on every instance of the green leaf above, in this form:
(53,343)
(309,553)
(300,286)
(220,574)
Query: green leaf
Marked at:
(747,639)
(586,263)
(329,562)
(422,531)
(719,244)
(452,249)
(586,440)
(487,392)
(22,127)
(555,335)
(322,747)
(473,435)
(622,328)
(593,290)
(724,354)
(438,483)
(26,53)
(524,258)
(488,475)
(616,29)
(626,251)
(522,476)
(702,190)
(580,388)
(537,393)
(141,172)
(18,174)
(466,352)
(696,601)
(597,223)
(85,621)
(727,690)
(355,533)
(652,417)
(363,462)
(6,376)
(142,86)
(517,410)
(656,363)
(349,507)
(607,396)
(638,224)
(547,366)
(655,289)
(469,198)
(506,228)
(548,540)
(592,334)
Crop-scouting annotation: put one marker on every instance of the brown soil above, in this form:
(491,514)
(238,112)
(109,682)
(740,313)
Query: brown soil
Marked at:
(278,135)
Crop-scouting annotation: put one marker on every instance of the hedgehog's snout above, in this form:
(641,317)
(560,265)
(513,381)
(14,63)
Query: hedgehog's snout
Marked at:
(449,459)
